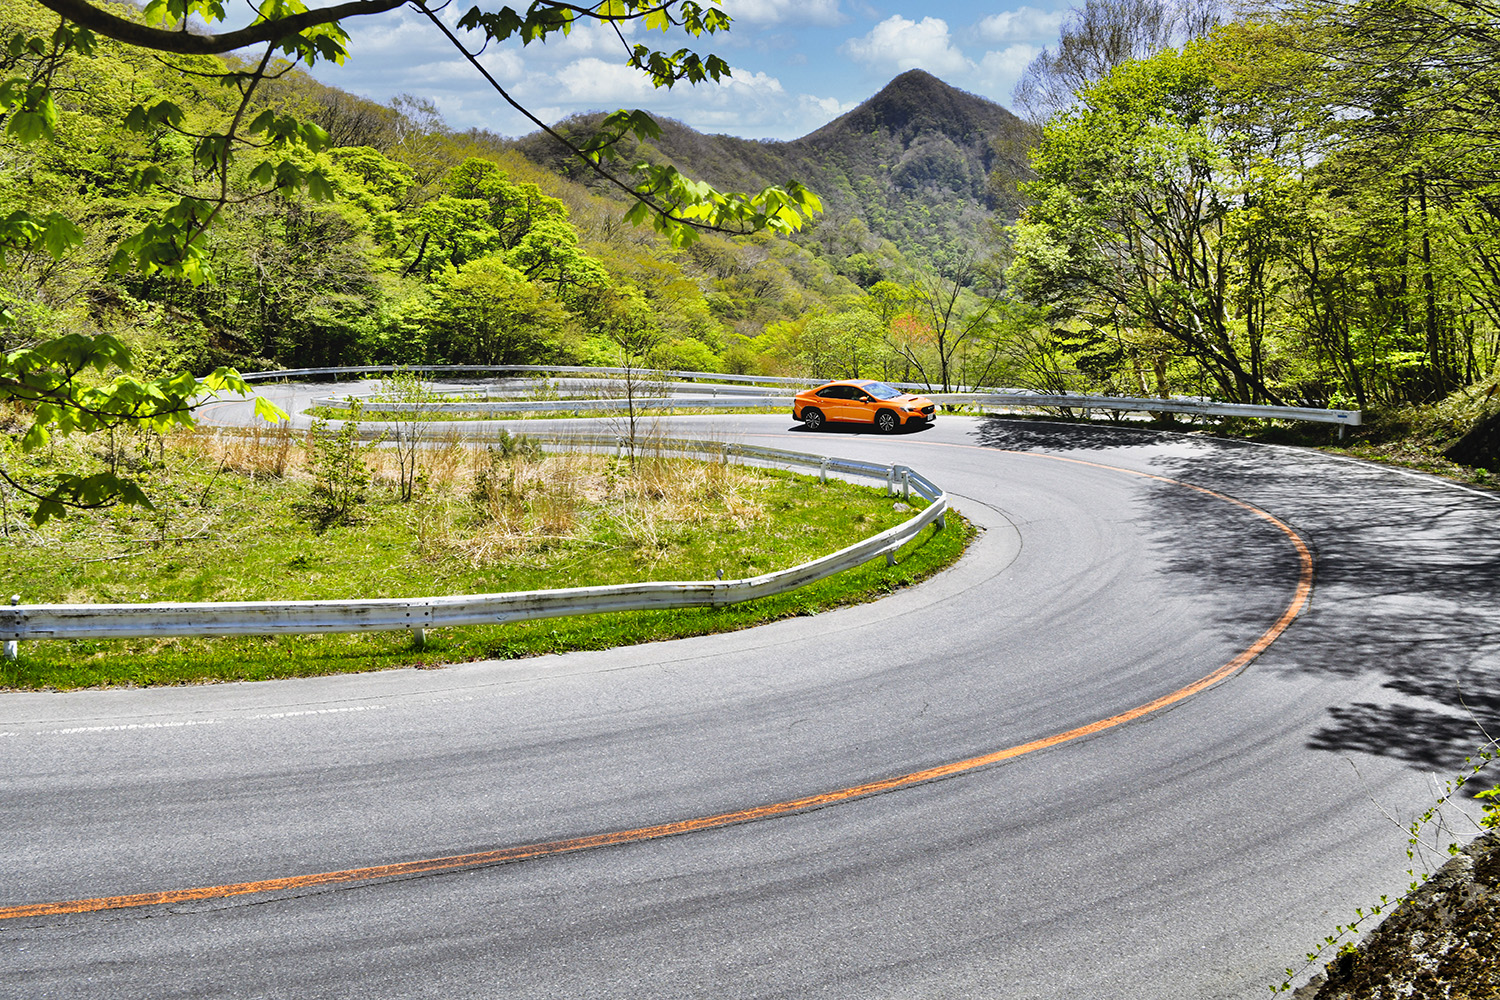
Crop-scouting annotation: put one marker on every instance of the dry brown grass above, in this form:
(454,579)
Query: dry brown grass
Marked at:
(691,492)
(558,502)
(445,462)
(486,507)
(256,452)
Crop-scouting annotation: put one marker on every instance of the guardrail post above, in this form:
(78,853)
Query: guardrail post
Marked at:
(419,637)
(890,481)
(905,484)
(12,647)
(619,446)
(823,472)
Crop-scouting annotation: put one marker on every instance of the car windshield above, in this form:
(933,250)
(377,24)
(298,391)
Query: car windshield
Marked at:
(882,391)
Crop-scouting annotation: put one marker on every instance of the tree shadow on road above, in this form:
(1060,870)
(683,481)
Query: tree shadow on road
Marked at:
(1407,585)
(1407,578)
(1015,434)
(1428,739)
(1243,563)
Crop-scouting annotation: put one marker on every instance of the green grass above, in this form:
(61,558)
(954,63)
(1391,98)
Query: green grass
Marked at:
(220,534)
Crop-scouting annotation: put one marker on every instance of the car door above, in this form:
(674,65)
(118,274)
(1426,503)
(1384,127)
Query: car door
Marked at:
(862,405)
(840,403)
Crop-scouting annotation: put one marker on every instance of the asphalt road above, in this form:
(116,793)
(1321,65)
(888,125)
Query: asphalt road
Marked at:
(1193,853)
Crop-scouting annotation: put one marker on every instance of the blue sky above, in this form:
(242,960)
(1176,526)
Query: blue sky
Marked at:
(797,64)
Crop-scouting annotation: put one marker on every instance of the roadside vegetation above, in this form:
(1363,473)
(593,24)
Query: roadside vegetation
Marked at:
(1197,207)
(269,515)
(1458,437)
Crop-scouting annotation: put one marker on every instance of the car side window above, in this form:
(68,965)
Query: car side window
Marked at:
(832,392)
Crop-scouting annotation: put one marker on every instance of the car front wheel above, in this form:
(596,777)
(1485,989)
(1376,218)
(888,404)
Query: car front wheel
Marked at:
(812,418)
(885,421)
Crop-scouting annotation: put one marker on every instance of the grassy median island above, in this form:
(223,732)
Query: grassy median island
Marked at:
(244,518)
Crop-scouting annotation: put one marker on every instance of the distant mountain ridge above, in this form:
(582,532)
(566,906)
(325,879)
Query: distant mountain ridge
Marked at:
(921,163)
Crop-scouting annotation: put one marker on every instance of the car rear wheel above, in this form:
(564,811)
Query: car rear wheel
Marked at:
(885,421)
(812,418)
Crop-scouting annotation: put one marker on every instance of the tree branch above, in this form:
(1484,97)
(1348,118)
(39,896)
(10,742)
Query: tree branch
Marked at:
(192,44)
(646,197)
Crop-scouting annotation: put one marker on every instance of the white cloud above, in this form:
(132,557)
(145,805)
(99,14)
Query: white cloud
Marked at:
(505,65)
(1000,71)
(743,82)
(398,34)
(748,103)
(828,108)
(902,44)
(590,38)
(401,52)
(603,83)
(784,11)
(1024,24)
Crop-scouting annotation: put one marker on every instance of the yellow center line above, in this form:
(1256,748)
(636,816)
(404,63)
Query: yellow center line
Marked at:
(791,806)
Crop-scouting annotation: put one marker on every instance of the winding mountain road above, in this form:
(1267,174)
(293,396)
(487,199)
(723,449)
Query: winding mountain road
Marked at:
(1191,853)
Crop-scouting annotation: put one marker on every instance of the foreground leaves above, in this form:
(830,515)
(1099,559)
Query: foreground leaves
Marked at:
(56,383)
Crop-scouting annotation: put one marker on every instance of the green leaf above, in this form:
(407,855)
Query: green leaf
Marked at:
(164,112)
(497,26)
(36,117)
(288,177)
(313,136)
(61,235)
(261,122)
(100,490)
(637,213)
(269,411)
(319,187)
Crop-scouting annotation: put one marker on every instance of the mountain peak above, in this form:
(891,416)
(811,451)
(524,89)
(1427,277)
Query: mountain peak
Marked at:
(914,80)
(913,162)
(917,102)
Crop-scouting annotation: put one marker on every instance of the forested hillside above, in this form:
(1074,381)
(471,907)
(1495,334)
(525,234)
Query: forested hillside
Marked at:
(425,245)
(921,164)
(1300,206)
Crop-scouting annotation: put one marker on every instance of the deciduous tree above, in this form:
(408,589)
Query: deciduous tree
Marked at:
(254,151)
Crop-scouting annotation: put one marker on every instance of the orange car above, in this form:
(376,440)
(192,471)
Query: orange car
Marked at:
(861,401)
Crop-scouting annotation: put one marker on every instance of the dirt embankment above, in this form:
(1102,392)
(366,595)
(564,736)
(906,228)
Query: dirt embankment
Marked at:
(1441,943)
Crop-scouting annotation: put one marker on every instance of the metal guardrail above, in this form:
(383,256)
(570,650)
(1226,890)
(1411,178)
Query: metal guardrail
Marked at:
(114,621)
(296,373)
(983,396)
(739,400)
(571,387)
(1176,404)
